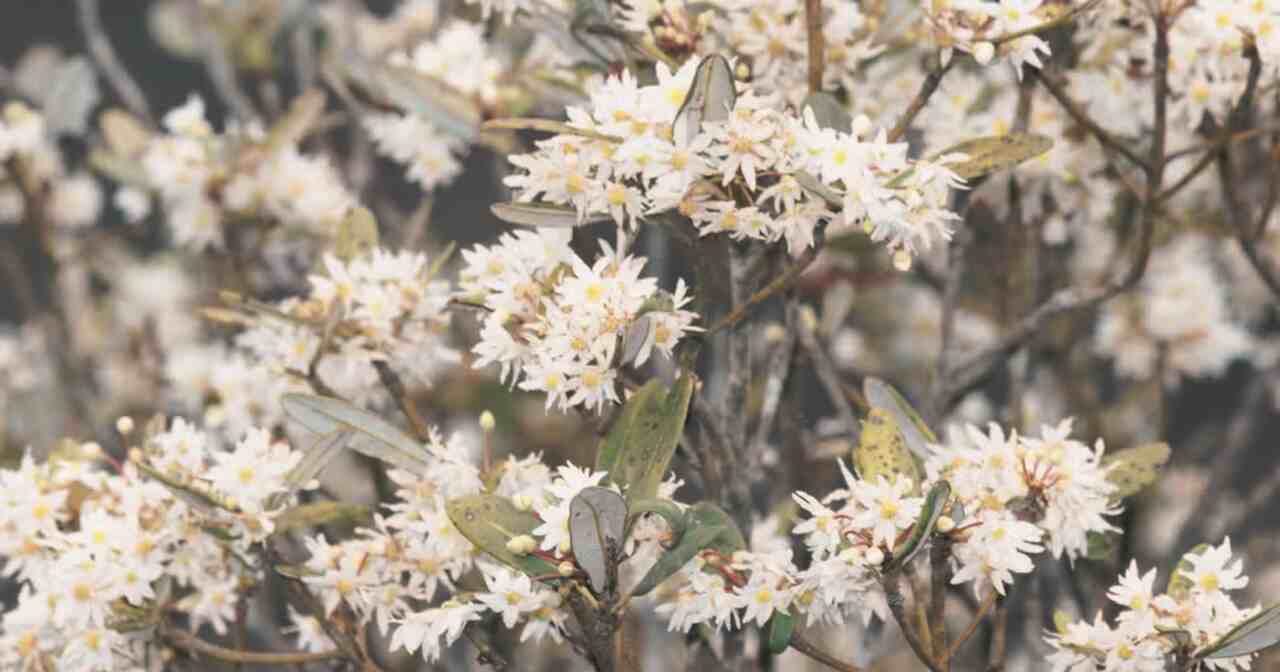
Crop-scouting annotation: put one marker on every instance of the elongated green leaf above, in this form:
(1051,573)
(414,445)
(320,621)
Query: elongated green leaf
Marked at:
(816,187)
(995,153)
(320,513)
(915,432)
(706,528)
(1133,469)
(638,333)
(1180,584)
(313,461)
(881,451)
(1253,635)
(377,438)
(669,511)
(544,215)
(638,449)
(357,234)
(828,112)
(711,96)
(413,92)
(194,497)
(934,503)
(597,527)
(781,627)
(489,522)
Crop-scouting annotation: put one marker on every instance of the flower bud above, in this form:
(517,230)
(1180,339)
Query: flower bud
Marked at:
(564,547)
(487,421)
(983,52)
(566,569)
(91,449)
(522,502)
(945,524)
(124,425)
(875,556)
(522,544)
(135,455)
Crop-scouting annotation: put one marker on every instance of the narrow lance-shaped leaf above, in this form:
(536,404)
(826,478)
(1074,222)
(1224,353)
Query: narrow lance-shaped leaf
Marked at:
(711,96)
(781,626)
(638,333)
(313,461)
(881,451)
(489,522)
(1253,635)
(377,438)
(706,528)
(326,512)
(1133,469)
(544,215)
(357,234)
(416,93)
(934,503)
(668,510)
(995,153)
(915,432)
(638,449)
(597,527)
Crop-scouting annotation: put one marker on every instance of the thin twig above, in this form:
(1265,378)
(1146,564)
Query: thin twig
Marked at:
(816,43)
(940,578)
(983,610)
(927,89)
(825,369)
(1081,117)
(222,74)
(897,605)
(188,642)
(395,387)
(780,283)
(108,63)
(804,646)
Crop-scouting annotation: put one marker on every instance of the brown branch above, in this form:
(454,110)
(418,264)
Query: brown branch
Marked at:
(927,89)
(897,605)
(940,577)
(804,646)
(779,284)
(983,610)
(816,42)
(395,387)
(193,644)
(1081,117)
(104,56)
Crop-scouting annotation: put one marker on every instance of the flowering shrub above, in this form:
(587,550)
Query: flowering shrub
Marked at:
(656,409)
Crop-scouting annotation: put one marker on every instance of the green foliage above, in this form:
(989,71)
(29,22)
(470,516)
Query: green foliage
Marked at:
(781,626)
(489,522)
(1135,468)
(1253,635)
(321,513)
(638,448)
(1180,584)
(994,153)
(706,528)
(881,451)
(934,504)
(377,438)
(597,528)
(711,96)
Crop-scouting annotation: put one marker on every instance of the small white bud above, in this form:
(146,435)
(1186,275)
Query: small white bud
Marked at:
(945,524)
(135,455)
(124,425)
(861,125)
(564,547)
(875,556)
(983,52)
(902,260)
(774,333)
(808,318)
(522,502)
(521,544)
(851,555)
(91,449)
(566,569)
(487,421)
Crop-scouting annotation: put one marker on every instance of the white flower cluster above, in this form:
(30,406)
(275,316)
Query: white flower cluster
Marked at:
(1195,603)
(1180,312)
(418,544)
(380,306)
(556,323)
(1019,495)
(984,29)
(96,550)
(203,179)
(31,153)
(458,58)
(742,176)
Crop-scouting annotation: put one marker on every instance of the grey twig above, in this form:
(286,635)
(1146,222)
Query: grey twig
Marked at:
(105,57)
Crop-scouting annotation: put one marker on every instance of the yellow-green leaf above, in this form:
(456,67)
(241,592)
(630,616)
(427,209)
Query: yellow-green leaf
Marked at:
(915,432)
(357,234)
(881,451)
(1135,468)
(489,522)
(326,512)
(1180,584)
(995,153)
(638,449)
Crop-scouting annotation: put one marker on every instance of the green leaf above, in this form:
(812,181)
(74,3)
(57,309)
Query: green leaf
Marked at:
(914,431)
(1061,620)
(489,522)
(706,528)
(1135,468)
(411,91)
(996,152)
(639,446)
(327,512)
(934,503)
(711,96)
(669,511)
(639,332)
(377,438)
(881,451)
(203,502)
(816,187)
(781,626)
(597,527)
(828,112)
(357,234)
(544,215)
(1180,584)
(1253,635)
(313,461)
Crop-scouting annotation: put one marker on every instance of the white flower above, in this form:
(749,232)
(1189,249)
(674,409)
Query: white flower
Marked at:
(886,508)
